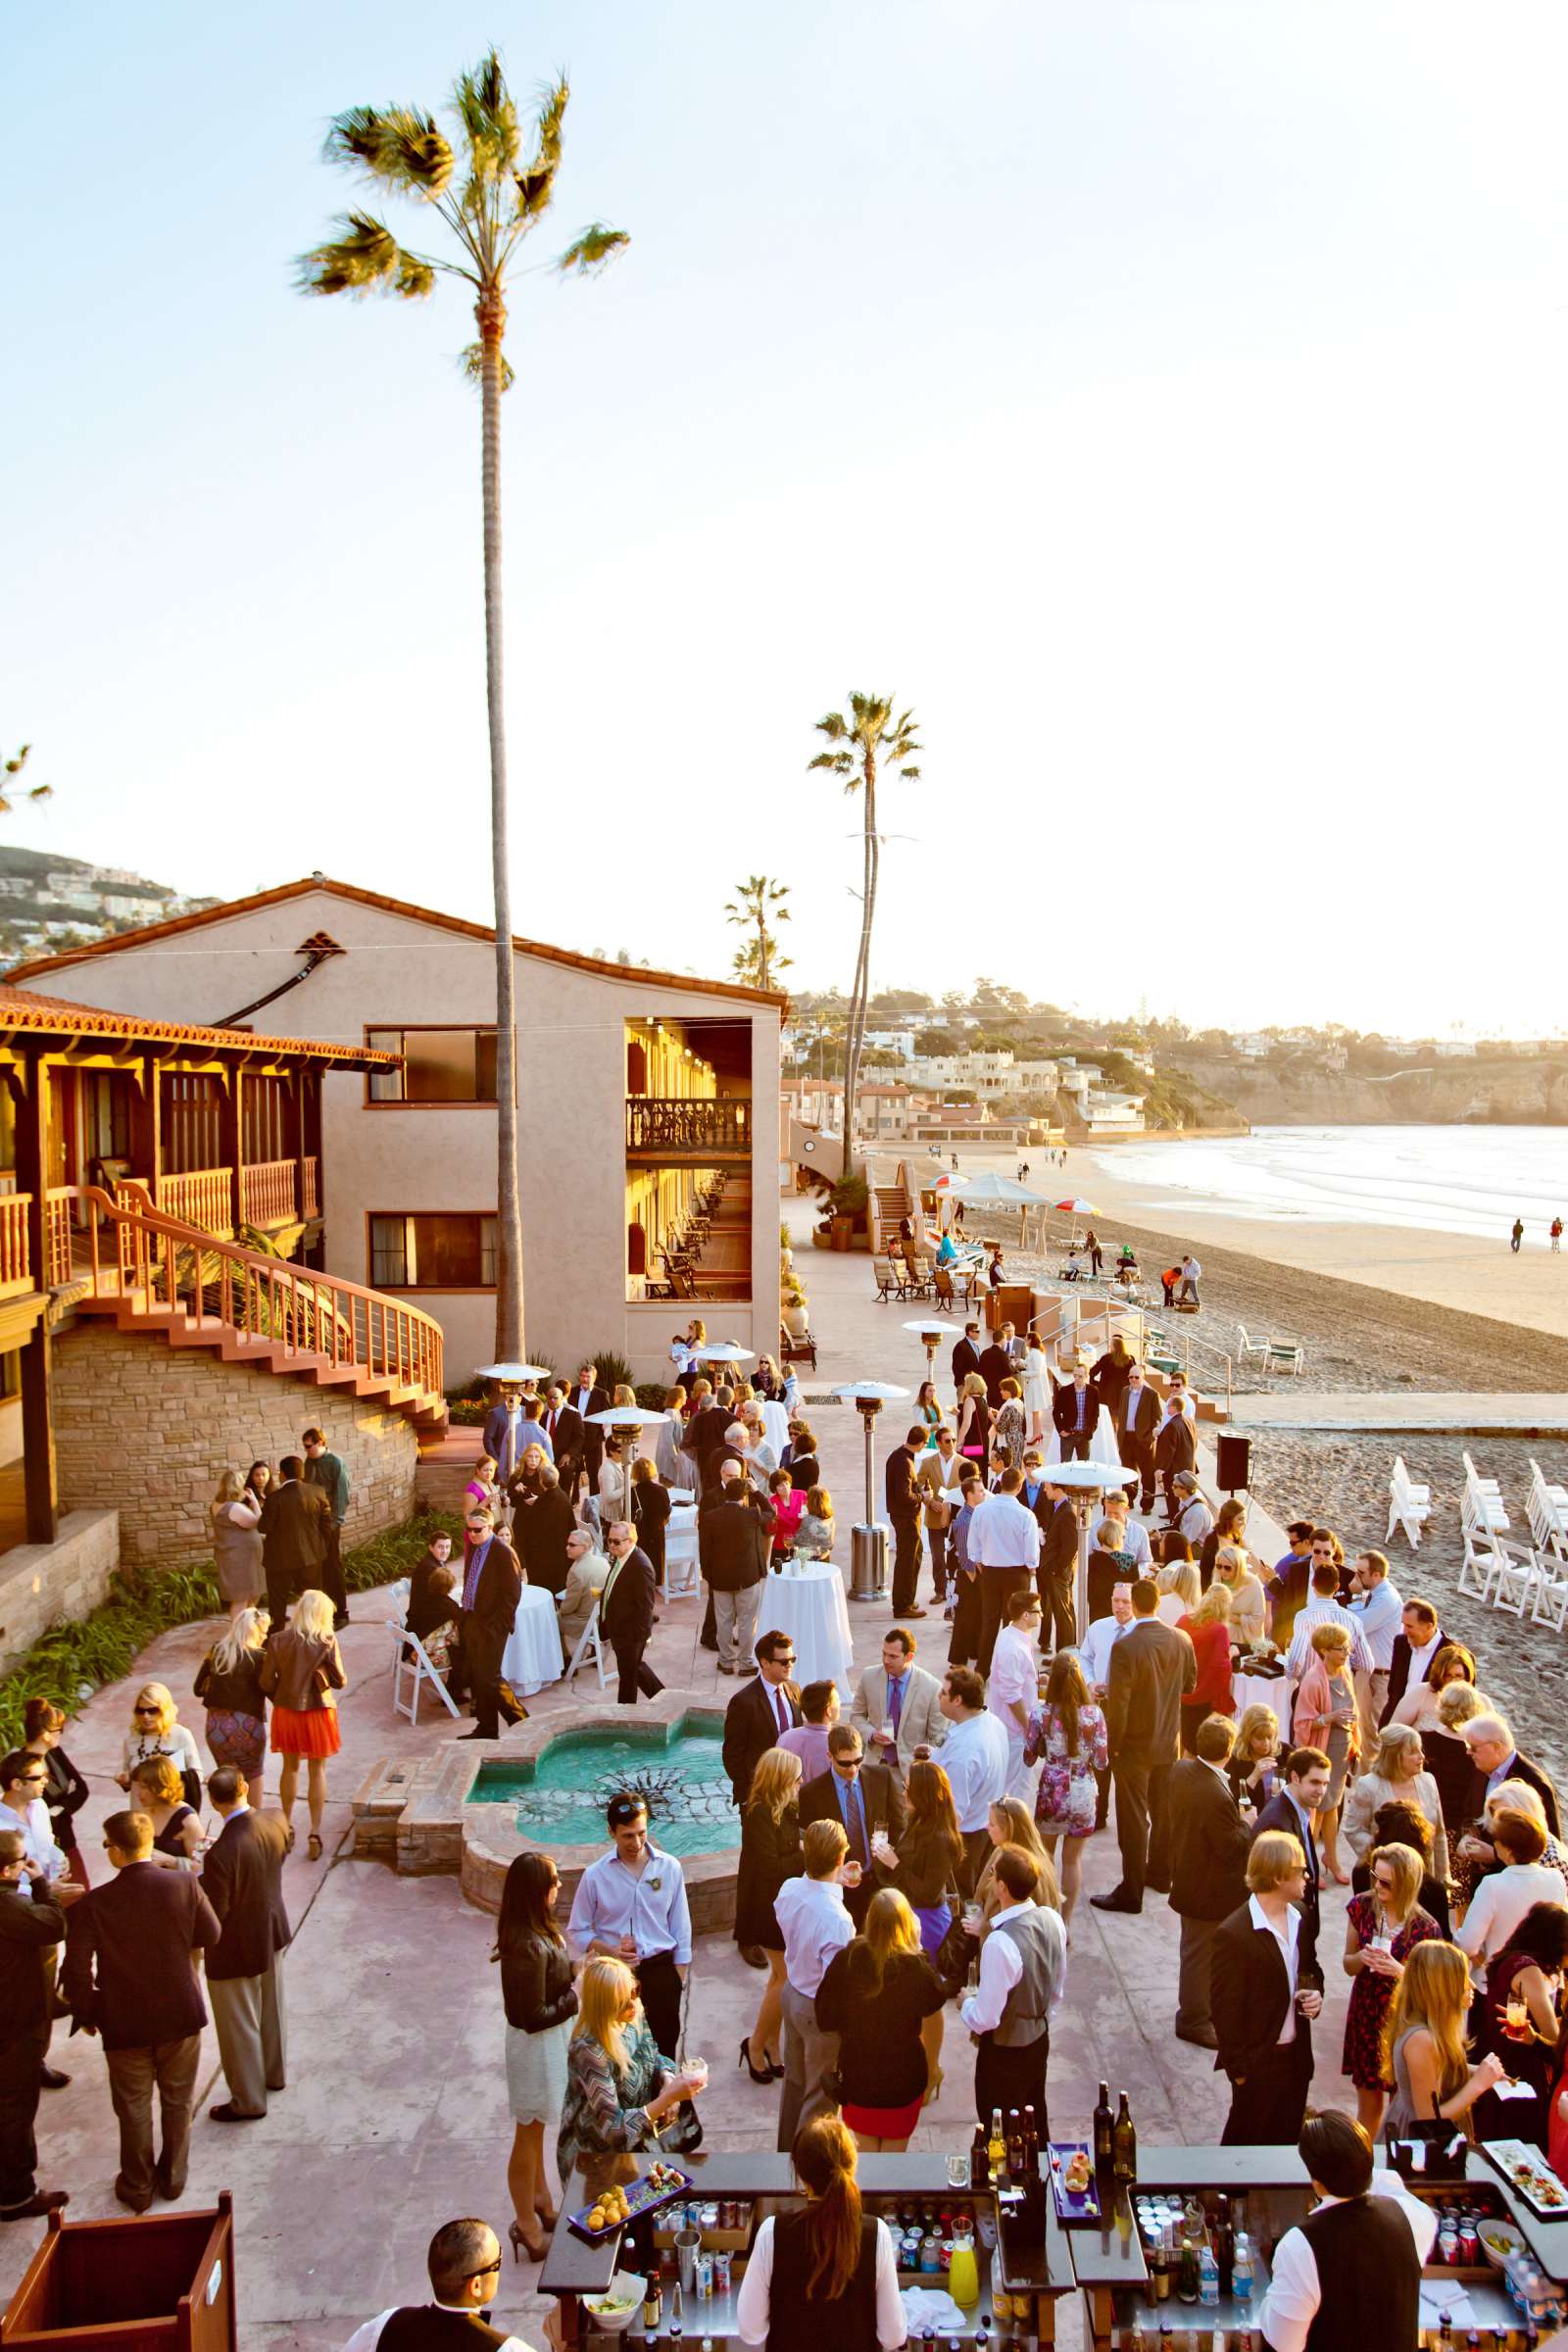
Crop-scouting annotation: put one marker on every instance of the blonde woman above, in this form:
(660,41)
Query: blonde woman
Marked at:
(236,1518)
(156,1731)
(1326,1718)
(301,1670)
(817,1527)
(1382,1929)
(1011,1822)
(770,1853)
(1178,1591)
(619,2085)
(1207,1627)
(974,1419)
(1424,2038)
(1253,1768)
(876,1996)
(1249,1612)
(1397,1773)
(228,1683)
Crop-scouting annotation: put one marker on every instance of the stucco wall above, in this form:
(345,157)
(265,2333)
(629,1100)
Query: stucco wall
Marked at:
(571,1094)
(44,1585)
(145,1429)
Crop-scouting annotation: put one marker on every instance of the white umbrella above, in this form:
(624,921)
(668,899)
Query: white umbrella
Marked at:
(987,1186)
(870,1395)
(625,1420)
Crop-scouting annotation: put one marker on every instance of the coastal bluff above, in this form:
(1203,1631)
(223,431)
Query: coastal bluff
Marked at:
(1297,1092)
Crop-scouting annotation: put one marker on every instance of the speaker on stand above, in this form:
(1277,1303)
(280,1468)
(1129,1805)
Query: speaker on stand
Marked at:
(1232,1462)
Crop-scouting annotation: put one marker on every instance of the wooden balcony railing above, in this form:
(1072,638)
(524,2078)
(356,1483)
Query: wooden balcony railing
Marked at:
(266,1192)
(161,1262)
(16,1258)
(311,1205)
(58,1201)
(201,1197)
(688,1123)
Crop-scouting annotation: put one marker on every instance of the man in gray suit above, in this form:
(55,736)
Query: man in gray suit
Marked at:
(902,1693)
(1153,1668)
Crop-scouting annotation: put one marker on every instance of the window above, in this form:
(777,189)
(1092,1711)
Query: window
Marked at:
(433,1252)
(439,1065)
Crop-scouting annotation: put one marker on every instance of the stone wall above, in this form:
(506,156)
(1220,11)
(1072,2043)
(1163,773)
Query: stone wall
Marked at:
(44,1585)
(145,1429)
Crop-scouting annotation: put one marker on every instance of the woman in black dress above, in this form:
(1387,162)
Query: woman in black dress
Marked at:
(65,1792)
(876,1996)
(770,1853)
(650,1513)
(157,1790)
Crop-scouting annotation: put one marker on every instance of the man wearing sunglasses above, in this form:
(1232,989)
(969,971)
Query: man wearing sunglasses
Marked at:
(30,1932)
(465,2267)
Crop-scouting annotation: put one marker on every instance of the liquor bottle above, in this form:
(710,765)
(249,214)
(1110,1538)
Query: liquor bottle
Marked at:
(1224,2242)
(1124,2144)
(1186,2269)
(979,2160)
(1102,2132)
(997,2148)
(651,2311)
(1031,2142)
(1015,2165)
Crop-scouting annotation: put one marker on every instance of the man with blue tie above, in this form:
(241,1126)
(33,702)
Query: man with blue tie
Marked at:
(904,1694)
(868,1801)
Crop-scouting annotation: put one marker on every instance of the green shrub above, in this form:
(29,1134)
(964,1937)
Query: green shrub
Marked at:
(651,1394)
(613,1369)
(470,1412)
(69,1662)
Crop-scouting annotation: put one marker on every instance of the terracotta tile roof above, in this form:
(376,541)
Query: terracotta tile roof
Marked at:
(25,1008)
(635,973)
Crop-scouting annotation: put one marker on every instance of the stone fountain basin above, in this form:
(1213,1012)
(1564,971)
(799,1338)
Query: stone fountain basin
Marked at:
(424,1818)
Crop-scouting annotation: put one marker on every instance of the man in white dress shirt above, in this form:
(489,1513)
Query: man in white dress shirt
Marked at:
(1021,1965)
(631,1905)
(815,1924)
(1377,1607)
(1094,1651)
(1352,2269)
(1013,1682)
(465,2267)
(1322,1608)
(1004,1544)
(974,1757)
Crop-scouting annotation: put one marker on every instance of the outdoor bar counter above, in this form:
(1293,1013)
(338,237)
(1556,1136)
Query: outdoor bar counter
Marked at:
(1106,2260)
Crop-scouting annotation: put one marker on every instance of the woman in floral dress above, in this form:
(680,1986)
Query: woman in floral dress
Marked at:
(1382,1928)
(1068,1731)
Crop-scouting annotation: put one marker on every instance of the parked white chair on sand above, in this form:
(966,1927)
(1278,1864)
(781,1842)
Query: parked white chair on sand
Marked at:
(1409,1505)
(1246,1346)
(1548,1512)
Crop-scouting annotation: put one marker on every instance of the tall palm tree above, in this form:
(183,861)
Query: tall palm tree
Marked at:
(757,899)
(871,737)
(489,198)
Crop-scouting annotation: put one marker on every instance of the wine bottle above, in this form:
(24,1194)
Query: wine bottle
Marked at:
(1015,2163)
(1224,2245)
(979,2160)
(651,2311)
(1102,2132)
(1124,2144)
(1031,2142)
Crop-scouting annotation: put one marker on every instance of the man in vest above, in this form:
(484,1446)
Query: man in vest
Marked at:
(465,2267)
(1021,1964)
(1351,2273)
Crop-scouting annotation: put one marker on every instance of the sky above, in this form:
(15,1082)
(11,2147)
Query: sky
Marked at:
(1163,400)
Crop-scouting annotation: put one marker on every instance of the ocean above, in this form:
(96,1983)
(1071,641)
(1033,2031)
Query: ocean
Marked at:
(1469,1180)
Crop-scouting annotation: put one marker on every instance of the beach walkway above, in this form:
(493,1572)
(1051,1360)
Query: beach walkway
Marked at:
(1494,1413)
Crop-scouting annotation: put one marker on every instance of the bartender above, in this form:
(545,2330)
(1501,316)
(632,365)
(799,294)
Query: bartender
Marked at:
(1351,2273)
(825,2274)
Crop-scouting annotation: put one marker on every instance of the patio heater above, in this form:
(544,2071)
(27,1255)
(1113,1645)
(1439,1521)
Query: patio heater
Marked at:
(1088,1482)
(868,1543)
(627,1422)
(513,1375)
(932,1335)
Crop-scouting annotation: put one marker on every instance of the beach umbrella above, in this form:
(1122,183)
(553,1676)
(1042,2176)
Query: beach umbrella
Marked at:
(1076,1208)
(625,1421)
(1003,1191)
(870,1397)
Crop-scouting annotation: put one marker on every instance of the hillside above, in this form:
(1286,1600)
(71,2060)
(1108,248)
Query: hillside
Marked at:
(1518,1092)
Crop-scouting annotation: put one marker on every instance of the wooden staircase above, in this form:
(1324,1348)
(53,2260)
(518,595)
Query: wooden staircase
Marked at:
(153,1277)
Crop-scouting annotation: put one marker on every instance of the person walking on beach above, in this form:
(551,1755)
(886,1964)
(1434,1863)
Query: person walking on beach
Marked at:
(1556,1233)
(1517,1235)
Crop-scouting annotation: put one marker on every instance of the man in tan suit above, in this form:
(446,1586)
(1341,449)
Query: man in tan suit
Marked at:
(939,1474)
(902,1693)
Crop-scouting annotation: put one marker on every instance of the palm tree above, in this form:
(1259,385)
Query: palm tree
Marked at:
(755,900)
(478,183)
(13,767)
(871,736)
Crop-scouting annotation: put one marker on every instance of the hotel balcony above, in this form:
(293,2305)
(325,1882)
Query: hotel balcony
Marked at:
(270,1197)
(699,1131)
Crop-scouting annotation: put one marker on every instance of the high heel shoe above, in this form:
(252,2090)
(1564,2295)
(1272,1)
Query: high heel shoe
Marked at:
(547,2216)
(762,2075)
(523,2243)
(314,1848)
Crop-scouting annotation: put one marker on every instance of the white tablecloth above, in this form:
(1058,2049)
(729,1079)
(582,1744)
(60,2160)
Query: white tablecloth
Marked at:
(532,1655)
(1265,1691)
(815,1614)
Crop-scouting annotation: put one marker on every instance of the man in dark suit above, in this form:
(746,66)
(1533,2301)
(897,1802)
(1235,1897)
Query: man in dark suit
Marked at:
(626,1612)
(1497,1759)
(965,1355)
(867,1800)
(734,1543)
(1416,1645)
(1175,1447)
(242,1878)
(1208,1848)
(904,1503)
(1265,1990)
(996,1366)
(540,1530)
(492,1587)
(586,1400)
(760,1712)
(506,1432)
(1136,1422)
(296,1525)
(1292,1808)
(1075,1414)
(32,1925)
(1152,1668)
(130,1976)
(1058,1570)
(708,1433)
(564,1427)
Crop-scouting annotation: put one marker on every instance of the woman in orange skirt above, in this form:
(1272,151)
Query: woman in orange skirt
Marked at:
(300,1671)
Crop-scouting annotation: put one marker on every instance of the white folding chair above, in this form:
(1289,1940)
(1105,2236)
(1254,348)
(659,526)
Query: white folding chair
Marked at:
(1246,1346)
(1551,1591)
(410,1657)
(680,1562)
(1409,1505)
(590,1646)
(1483,1560)
(1514,1584)
(1547,1511)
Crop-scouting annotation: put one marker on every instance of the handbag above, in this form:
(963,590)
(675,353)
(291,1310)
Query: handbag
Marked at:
(954,1954)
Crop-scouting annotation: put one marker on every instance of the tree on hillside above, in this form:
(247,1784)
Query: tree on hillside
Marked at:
(489,196)
(756,900)
(870,738)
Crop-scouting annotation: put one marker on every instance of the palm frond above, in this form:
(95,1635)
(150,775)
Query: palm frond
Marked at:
(536,188)
(471,362)
(832,726)
(589,253)
(15,766)
(396,145)
(911,773)
(488,114)
(364,257)
(41,792)
(840,761)
(553,100)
